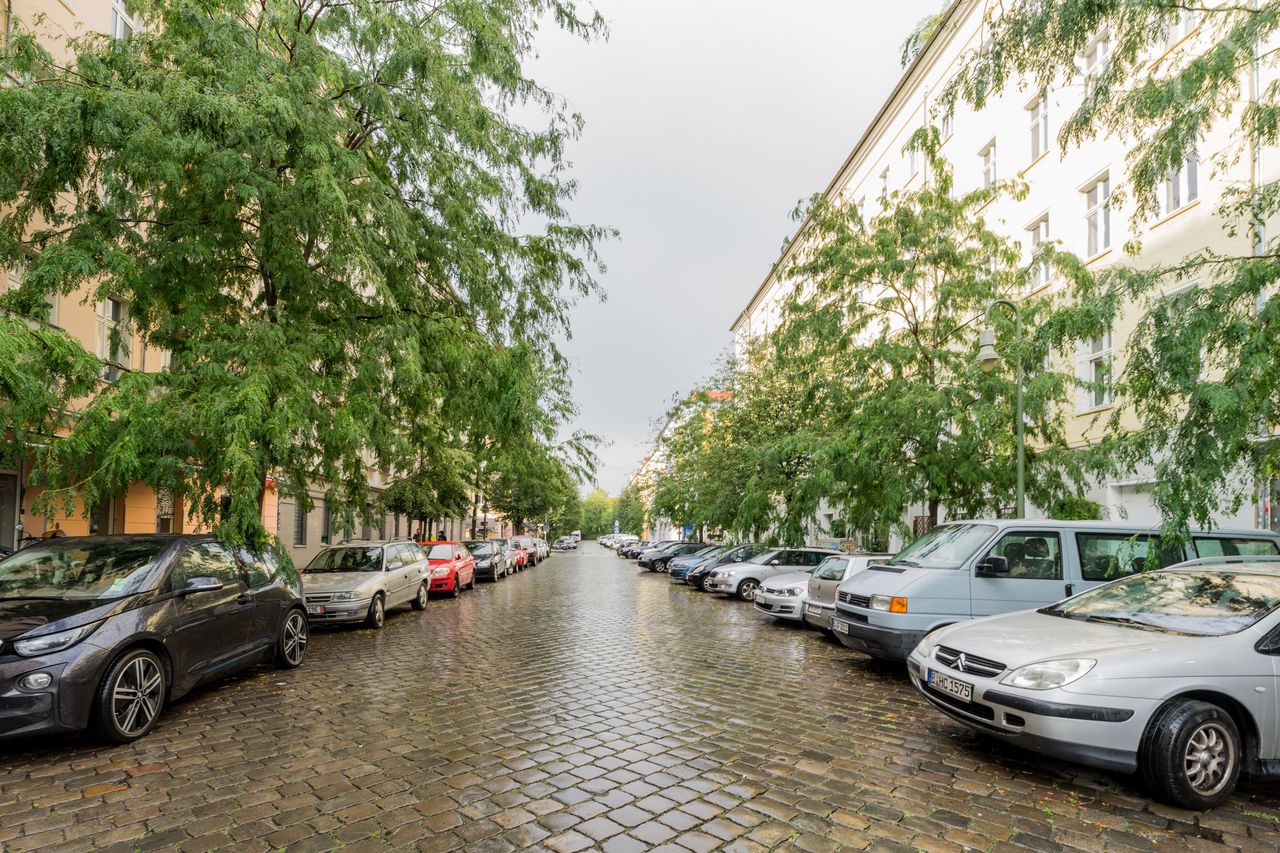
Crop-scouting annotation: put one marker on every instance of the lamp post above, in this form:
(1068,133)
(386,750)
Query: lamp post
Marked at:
(988,358)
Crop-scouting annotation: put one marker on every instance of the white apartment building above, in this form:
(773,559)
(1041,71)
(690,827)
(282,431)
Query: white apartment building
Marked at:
(1069,201)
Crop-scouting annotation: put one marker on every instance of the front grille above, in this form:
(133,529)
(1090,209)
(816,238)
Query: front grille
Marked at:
(855,600)
(985,712)
(763,606)
(319,598)
(772,591)
(965,662)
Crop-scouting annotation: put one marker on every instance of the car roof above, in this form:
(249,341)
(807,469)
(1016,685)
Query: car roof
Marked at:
(1248,565)
(1043,523)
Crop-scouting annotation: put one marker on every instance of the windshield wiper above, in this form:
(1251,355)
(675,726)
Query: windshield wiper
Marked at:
(1050,611)
(34,598)
(912,563)
(1123,620)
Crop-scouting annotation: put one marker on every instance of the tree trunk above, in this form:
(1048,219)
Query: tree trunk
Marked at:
(933,513)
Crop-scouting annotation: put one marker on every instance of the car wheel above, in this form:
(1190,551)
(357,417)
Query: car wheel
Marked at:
(420,600)
(457,586)
(377,613)
(747,589)
(660,566)
(291,648)
(130,697)
(1191,754)
(472,585)
(701,583)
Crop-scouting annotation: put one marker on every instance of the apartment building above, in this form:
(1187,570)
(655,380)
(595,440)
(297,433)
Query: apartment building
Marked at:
(1069,201)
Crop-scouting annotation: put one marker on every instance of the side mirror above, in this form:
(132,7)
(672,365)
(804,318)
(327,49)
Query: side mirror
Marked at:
(200,584)
(775,562)
(992,567)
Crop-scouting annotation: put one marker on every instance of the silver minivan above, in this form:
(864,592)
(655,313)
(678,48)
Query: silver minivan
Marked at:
(965,569)
(820,599)
(360,581)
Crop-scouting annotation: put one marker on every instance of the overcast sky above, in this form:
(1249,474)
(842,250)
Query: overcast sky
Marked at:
(706,122)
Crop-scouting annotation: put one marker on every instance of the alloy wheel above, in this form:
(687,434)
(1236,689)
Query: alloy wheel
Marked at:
(137,695)
(1209,760)
(295,637)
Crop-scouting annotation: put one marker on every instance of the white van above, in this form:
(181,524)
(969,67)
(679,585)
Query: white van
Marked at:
(964,569)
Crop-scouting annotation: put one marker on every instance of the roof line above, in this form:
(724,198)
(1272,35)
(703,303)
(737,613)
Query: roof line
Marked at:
(857,149)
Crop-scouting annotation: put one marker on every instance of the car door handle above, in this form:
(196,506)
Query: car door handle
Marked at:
(1070,588)
(246,598)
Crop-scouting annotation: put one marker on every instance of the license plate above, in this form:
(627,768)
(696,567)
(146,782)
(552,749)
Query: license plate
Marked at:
(944,683)
(814,609)
(839,627)
(315,609)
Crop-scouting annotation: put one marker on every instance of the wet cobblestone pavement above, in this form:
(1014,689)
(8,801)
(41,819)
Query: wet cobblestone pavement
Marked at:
(582,704)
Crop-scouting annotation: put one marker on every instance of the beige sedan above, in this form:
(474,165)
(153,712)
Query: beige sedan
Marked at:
(820,604)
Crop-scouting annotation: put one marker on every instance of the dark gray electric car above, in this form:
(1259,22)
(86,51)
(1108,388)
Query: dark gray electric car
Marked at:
(99,632)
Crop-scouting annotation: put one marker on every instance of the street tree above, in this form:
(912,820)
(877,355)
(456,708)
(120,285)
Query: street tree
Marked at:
(319,210)
(1201,370)
(598,515)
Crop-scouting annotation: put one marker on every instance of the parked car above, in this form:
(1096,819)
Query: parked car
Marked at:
(361,581)
(820,597)
(453,569)
(657,561)
(625,541)
(1170,674)
(517,556)
(565,543)
(679,567)
(744,579)
(975,568)
(700,574)
(632,550)
(544,550)
(490,556)
(531,549)
(101,632)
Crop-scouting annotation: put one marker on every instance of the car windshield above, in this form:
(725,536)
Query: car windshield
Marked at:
(742,553)
(946,547)
(832,569)
(440,552)
(481,549)
(76,570)
(1207,603)
(707,552)
(346,560)
(765,556)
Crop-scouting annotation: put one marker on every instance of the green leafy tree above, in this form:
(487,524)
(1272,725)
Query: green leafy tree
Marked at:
(1202,368)
(316,207)
(597,515)
(630,510)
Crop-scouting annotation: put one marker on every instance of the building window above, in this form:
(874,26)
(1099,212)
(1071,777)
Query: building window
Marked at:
(1098,360)
(913,158)
(1095,61)
(884,182)
(988,155)
(113,337)
(1097,201)
(1038,118)
(326,528)
(122,24)
(164,511)
(1040,272)
(1183,24)
(299,525)
(947,126)
(1182,186)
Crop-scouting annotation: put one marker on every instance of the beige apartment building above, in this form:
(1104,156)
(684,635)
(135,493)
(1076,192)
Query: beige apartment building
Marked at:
(1069,201)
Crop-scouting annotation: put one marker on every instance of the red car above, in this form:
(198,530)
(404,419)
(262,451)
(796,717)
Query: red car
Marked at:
(453,569)
(517,556)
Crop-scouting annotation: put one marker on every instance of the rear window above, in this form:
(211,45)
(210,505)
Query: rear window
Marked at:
(832,569)
(1233,546)
(1107,556)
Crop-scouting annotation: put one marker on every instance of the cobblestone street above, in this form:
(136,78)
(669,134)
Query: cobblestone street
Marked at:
(581,705)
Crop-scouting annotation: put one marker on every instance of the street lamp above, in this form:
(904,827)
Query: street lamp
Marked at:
(988,358)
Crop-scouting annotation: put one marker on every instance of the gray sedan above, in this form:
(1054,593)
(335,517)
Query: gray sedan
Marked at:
(1171,674)
(360,582)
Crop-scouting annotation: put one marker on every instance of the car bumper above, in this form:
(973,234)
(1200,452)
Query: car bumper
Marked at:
(338,611)
(722,585)
(64,705)
(1058,725)
(780,606)
(879,642)
(490,572)
(678,575)
(818,614)
(444,584)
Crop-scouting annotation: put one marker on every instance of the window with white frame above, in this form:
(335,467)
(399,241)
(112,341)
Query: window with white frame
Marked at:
(913,157)
(1182,184)
(1038,119)
(113,337)
(122,23)
(1096,373)
(884,182)
(16,274)
(1183,24)
(988,155)
(946,126)
(1095,60)
(1041,271)
(1097,202)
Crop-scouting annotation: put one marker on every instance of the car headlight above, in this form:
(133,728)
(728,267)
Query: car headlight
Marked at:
(439,571)
(888,603)
(924,648)
(34,646)
(483,564)
(1049,674)
(342,596)
(728,574)
(791,591)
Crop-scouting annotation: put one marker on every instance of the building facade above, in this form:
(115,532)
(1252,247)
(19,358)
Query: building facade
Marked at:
(1069,201)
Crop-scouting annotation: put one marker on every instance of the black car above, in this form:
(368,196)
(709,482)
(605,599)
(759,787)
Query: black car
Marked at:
(491,558)
(99,632)
(699,574)
(656,560)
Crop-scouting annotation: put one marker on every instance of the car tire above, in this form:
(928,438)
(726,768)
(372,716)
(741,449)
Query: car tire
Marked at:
(420,599)
(472,585)
(457,586)
(747,589)
(291,646)
(377,613)
(701,583)
(140,674)
(661,565)
(1191,754)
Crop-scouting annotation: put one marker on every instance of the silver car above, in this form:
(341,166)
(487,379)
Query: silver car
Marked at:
(1171,674)
(360,581)
(820,597)
(744,579)
(783,597)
